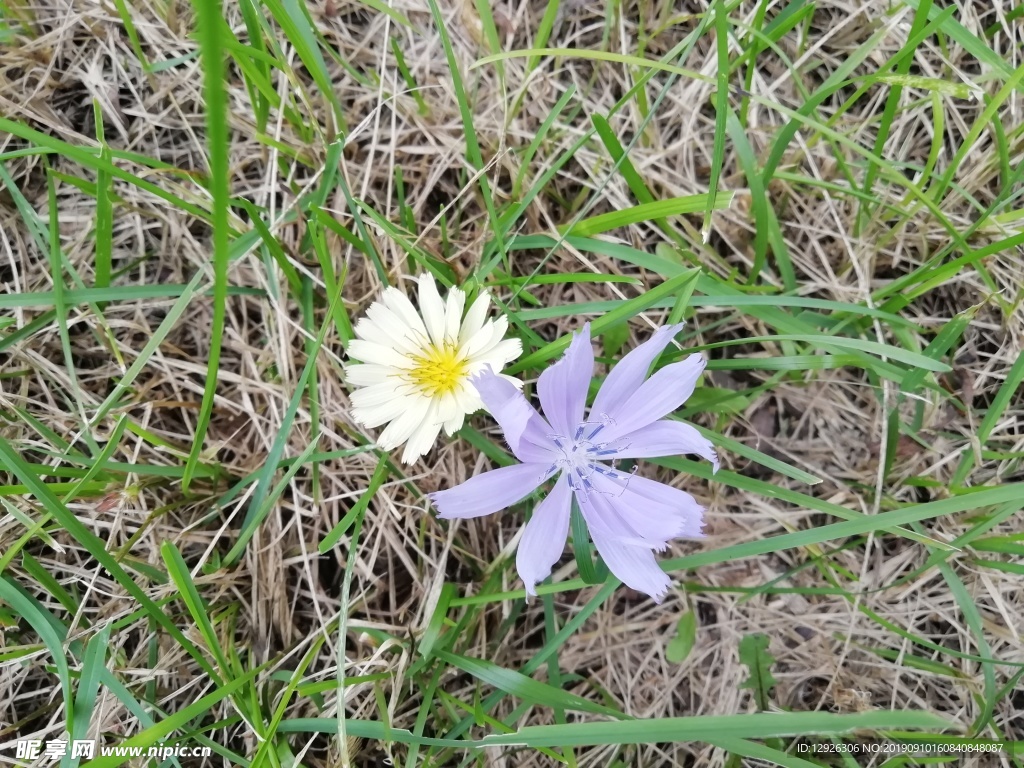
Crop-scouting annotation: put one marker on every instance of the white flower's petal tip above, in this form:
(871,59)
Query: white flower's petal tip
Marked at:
(508,350)
(475,317)
(453,307)
(423,437)
(432,308)
(517,383)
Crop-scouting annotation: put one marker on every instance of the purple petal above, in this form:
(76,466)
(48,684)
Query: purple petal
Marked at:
(665,438)
(635,566)
(544,537)
(562,387)
(678,510)
(641,511)
(627,376)
(661,394)
(489,492)
(505,403)
(525,430)
(602,518)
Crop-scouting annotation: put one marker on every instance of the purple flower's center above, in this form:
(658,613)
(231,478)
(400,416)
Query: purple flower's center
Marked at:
(580,455)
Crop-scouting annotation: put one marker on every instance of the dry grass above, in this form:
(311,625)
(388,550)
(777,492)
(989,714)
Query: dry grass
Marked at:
(282,597)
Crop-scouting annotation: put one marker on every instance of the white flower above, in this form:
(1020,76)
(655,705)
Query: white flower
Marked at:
(415,371)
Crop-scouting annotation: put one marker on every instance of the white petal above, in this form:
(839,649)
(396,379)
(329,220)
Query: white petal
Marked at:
(468,398)
(453,314)
(423,438)
(369,331)
(454,424)
(401,429)
(432,308)
(371,416)
(377,394)
(475,317)
(511,380)
(378,354)
(447,407)
(499,327)
(387,328)
(361,375)
(487,337)
(465,400)
(499,355)
(399,303)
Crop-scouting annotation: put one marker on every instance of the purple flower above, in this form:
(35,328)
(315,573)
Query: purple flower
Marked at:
(628,516)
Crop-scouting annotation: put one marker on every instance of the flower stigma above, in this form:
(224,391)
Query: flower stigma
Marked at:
(440,370)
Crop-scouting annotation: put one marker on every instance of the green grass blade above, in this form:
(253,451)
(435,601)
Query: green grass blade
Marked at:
(94,665)
(35,615)
(473,153)
(523,687)
(182,579)
(293,17)
(711,727)
(259,514)
(160,730)
(623,312)
(87,539)
(648,211)
(211,28)
(104,211)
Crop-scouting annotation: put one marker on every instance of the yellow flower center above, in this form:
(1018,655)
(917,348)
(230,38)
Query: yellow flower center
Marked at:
(439,371)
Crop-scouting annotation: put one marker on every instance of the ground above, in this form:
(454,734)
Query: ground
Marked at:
(184,253)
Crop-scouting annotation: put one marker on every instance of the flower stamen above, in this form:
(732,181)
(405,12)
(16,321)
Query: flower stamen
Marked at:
(439,371)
